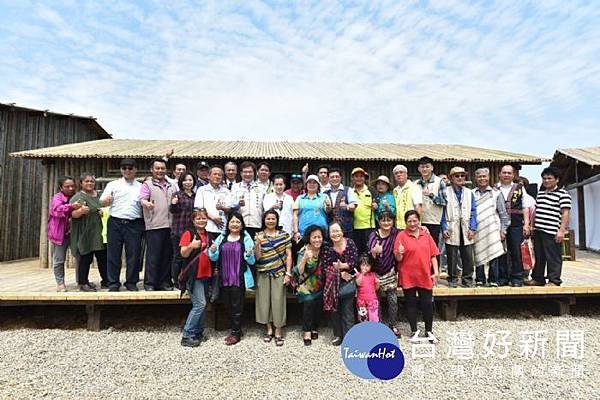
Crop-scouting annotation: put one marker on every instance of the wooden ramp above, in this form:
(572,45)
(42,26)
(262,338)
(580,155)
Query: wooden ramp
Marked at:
(24,283)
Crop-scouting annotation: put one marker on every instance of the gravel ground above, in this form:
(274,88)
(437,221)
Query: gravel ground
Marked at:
(150,364)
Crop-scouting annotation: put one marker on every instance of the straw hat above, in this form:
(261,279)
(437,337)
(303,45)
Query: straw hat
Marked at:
(457,170)
(384,179)
(359,169)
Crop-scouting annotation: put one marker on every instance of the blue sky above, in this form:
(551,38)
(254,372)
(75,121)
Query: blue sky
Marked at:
(513,75)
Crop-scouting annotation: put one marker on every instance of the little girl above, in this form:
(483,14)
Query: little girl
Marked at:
(367,284)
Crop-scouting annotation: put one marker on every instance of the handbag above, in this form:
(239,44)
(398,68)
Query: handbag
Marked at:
(347,289)
(527,257)
(213,289)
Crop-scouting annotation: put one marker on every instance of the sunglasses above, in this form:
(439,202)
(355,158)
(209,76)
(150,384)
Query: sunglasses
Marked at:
(127,167)
(459,175)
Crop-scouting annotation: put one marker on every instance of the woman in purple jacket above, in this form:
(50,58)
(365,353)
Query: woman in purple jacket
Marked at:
(59,215)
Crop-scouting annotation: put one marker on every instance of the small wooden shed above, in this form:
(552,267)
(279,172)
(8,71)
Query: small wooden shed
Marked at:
(102,158)
(21,179)
(580,174)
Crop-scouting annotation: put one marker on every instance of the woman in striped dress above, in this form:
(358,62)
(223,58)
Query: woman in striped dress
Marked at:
(381,248)
(273,251)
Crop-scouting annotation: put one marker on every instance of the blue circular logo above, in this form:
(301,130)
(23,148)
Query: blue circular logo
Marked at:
(370,351)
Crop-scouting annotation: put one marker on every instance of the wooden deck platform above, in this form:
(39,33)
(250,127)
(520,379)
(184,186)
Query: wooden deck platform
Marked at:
(25,283)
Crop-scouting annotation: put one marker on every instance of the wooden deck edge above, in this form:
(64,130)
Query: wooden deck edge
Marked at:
(173,297)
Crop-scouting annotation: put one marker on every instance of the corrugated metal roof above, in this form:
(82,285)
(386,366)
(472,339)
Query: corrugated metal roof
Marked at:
(588,155)
(101,131)
(185,149)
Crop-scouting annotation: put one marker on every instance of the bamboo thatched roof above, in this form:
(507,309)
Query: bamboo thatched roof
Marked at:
(588,155)
(201,149)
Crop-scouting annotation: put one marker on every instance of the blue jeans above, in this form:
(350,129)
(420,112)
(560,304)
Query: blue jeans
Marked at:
(492,274)
(194,324)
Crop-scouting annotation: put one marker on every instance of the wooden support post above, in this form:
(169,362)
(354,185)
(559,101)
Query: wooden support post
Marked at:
(562,306)
(581,218)
(449,310)
(43,245)
(94,314)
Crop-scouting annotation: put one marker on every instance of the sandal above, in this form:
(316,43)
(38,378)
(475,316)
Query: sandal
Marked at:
(279,341)
(268,337)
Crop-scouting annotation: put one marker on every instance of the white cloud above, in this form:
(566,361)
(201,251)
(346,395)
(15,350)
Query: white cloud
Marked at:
(513,76)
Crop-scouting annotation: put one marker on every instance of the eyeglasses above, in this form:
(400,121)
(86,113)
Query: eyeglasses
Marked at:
(127,167)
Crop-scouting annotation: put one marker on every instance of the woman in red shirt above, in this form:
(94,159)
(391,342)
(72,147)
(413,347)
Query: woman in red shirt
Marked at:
(194,246)
(416,251)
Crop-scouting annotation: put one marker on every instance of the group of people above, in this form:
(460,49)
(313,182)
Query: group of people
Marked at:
(341,249)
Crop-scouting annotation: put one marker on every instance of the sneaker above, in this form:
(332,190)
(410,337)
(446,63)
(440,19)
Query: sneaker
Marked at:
(452,285)
(479,284)
(336,341)
(92,285)
(61,287)
(113,289)
(551,284)
(131,288)
(103,285)
(432,339)
(190,342)
(201,337)
(517,284)
(396,331)
(231,340)
(414,337)
(493,284)
(466,284)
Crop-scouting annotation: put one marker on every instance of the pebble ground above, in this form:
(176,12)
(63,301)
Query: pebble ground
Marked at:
(147,362)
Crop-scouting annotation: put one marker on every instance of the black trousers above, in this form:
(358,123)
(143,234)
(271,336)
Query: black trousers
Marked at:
(158,259)
(465,252)
(343,318)
(514,273)
(434,231)
(177,261)
(84,263)
(311,314)
(128,233)
(361,239)
(410,302)
(233,298)
(547,254)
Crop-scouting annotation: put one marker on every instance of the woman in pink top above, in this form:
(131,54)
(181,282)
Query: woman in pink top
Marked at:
(59,215)
(367,284)
(416,252)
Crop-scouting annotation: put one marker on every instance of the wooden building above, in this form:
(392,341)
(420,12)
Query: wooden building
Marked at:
(102,157)
(580,174)
(21,178)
